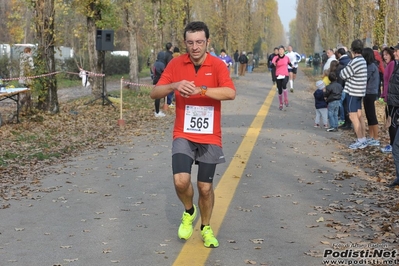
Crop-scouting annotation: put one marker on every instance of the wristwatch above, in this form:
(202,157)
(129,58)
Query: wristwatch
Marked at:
(203,90)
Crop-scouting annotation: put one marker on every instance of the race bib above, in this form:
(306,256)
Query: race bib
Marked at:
(198,119)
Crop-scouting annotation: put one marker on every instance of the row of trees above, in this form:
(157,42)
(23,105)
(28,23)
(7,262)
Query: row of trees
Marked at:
(141,26)
(339,22)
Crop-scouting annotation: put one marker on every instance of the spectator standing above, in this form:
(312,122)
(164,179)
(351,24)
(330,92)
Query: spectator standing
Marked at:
(355,76)
(316,64)
(243,59)
(176,52)
(320,105)
(343,60)
(389,59)
(331,57)
(250,63)
(380,65)
(373,84)
(333,97)
(157,70)
(236,56)
(167,59)
(225,58)
(212,51)
(324,58)
(198,101)
(393,102)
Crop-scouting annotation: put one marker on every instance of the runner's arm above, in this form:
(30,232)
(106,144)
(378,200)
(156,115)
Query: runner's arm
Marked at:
(187,88)
(220,93)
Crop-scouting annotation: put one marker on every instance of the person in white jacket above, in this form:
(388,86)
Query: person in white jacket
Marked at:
(295,58)
(331,57)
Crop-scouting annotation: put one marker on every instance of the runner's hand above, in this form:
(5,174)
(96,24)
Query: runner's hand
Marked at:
(187,88)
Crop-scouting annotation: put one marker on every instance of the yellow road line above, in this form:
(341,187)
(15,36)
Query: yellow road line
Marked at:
(193,251)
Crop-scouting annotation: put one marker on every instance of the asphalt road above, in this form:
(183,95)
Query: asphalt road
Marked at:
(117,206)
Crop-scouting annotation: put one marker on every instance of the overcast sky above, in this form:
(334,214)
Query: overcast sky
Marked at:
(287,12)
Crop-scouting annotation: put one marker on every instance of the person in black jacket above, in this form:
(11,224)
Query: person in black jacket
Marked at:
(343,60)
(372,90)
(271,66)
(236,56)
(393,101)
(333,97)
(168,56)
(243,59)
(320,105)
(157,70)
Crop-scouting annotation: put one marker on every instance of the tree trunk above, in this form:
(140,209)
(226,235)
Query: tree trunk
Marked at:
(96,58)
(45,14)
(133,53)
(157,30)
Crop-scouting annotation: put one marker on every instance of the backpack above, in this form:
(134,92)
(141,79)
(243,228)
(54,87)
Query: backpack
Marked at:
(243,59)
(157,71)
(316,60)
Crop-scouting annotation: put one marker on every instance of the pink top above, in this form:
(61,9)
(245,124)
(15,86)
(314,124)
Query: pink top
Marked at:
(387,75)
(281,64)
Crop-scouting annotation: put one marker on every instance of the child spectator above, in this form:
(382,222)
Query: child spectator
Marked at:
(320,104)
(333,94)
(325,78)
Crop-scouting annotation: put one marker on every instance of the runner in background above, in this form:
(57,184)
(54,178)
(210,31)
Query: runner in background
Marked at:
(281,63)
(271,66)
(295,58)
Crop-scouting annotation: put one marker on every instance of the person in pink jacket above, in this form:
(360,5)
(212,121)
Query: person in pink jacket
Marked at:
(389,59)
(281,63)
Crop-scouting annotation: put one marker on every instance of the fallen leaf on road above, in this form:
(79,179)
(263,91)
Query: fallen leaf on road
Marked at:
(257,240)
(71,260)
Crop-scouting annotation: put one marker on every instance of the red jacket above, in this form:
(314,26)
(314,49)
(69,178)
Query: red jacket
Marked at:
(379,60)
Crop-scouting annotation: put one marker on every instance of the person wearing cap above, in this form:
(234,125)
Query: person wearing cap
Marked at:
(281,63)
(320,105)
(355,76)
(393,103)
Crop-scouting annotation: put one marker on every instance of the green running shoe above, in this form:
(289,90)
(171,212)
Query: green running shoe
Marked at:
(209,239)
(186,226)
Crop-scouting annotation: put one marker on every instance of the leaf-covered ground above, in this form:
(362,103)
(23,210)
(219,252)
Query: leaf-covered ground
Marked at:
(41,140)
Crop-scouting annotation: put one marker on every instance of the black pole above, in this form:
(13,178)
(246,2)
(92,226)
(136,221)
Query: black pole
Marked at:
(103,55)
